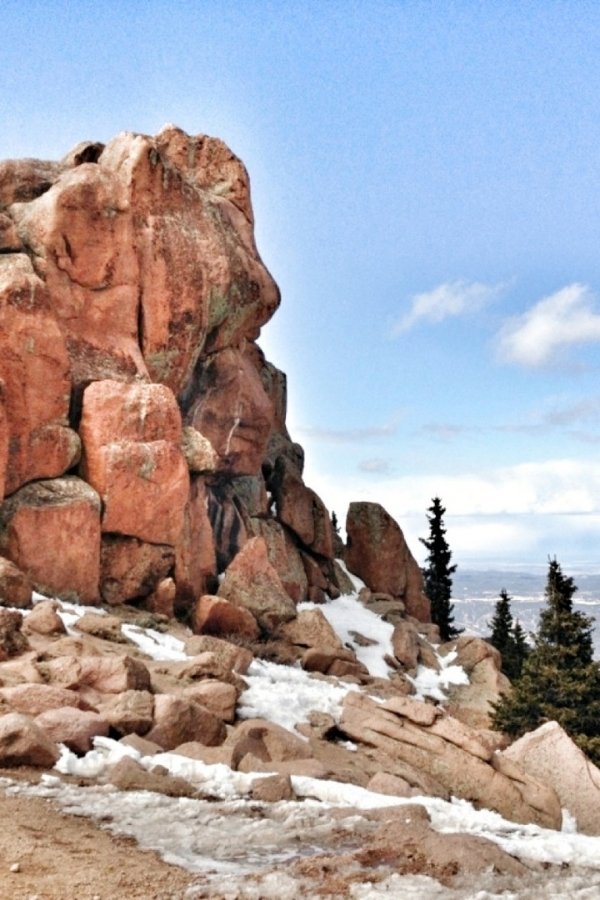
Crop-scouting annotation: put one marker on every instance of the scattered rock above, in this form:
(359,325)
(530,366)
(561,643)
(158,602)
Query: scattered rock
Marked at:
(15,586)
(23,743)
(129,775)
(272,789)
(179,719)
(217,616)
(129,712)
(33,699)
(44,619)
(12,640)
(74,727)
(230,657)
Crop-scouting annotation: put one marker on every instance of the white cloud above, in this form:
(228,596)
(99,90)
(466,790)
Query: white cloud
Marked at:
(556,322)
(455,298)
(510,514)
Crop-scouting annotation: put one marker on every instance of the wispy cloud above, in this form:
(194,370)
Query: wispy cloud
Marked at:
(577,419)
(350,435)
(454,298)
(563,319)
(375,466)
(445,431)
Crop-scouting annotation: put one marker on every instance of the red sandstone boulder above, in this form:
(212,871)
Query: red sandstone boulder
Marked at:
(377,552)
(15,586)
(217,616)
(74,727)
(230,657)
(405,641)
(272,789)
(33,699)
(456,756)
(266,741)
(202,283)
(218,697)
(162,599)
(23,743)
(251,582)
(179,719)
(130,568)
(105,674)
(81,233)
(232,410)
(22,180)
(311,629)
(51,531)
(128,712)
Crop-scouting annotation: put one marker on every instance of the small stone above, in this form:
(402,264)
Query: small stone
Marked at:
(16,867)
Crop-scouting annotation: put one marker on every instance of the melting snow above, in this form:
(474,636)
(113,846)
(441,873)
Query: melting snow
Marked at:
(155,644)
(429,683)
(287,695)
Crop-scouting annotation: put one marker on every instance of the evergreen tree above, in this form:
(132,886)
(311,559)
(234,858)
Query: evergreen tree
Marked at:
(508,637)
(519,651)
(437,572)
(502,623)
(560,680)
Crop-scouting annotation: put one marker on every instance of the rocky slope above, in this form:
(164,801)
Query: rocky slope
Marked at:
(147,474)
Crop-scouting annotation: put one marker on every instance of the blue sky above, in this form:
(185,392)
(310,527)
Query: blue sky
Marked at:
(426,183)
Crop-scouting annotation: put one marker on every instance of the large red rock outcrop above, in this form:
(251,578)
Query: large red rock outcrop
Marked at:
(377,552)
(131,298)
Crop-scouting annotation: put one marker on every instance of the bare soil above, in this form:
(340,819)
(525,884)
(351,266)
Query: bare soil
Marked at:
(46,854)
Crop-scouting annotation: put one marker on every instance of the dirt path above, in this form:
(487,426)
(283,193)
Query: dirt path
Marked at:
(64,857)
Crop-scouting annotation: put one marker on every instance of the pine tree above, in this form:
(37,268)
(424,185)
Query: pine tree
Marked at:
(437,572)
(508,637)
(560,680)
(502,623)
(520,650)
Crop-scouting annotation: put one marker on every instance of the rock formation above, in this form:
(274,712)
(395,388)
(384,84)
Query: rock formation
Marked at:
(146,468)
(142,431)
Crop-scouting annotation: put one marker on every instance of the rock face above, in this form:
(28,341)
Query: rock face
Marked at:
(143,438)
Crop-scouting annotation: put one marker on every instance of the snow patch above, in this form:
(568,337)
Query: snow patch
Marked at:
(287,695)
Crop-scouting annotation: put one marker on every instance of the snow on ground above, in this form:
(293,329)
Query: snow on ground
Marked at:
(528,841)
(429,683)
(347,615)
(287,695)
(155,644)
